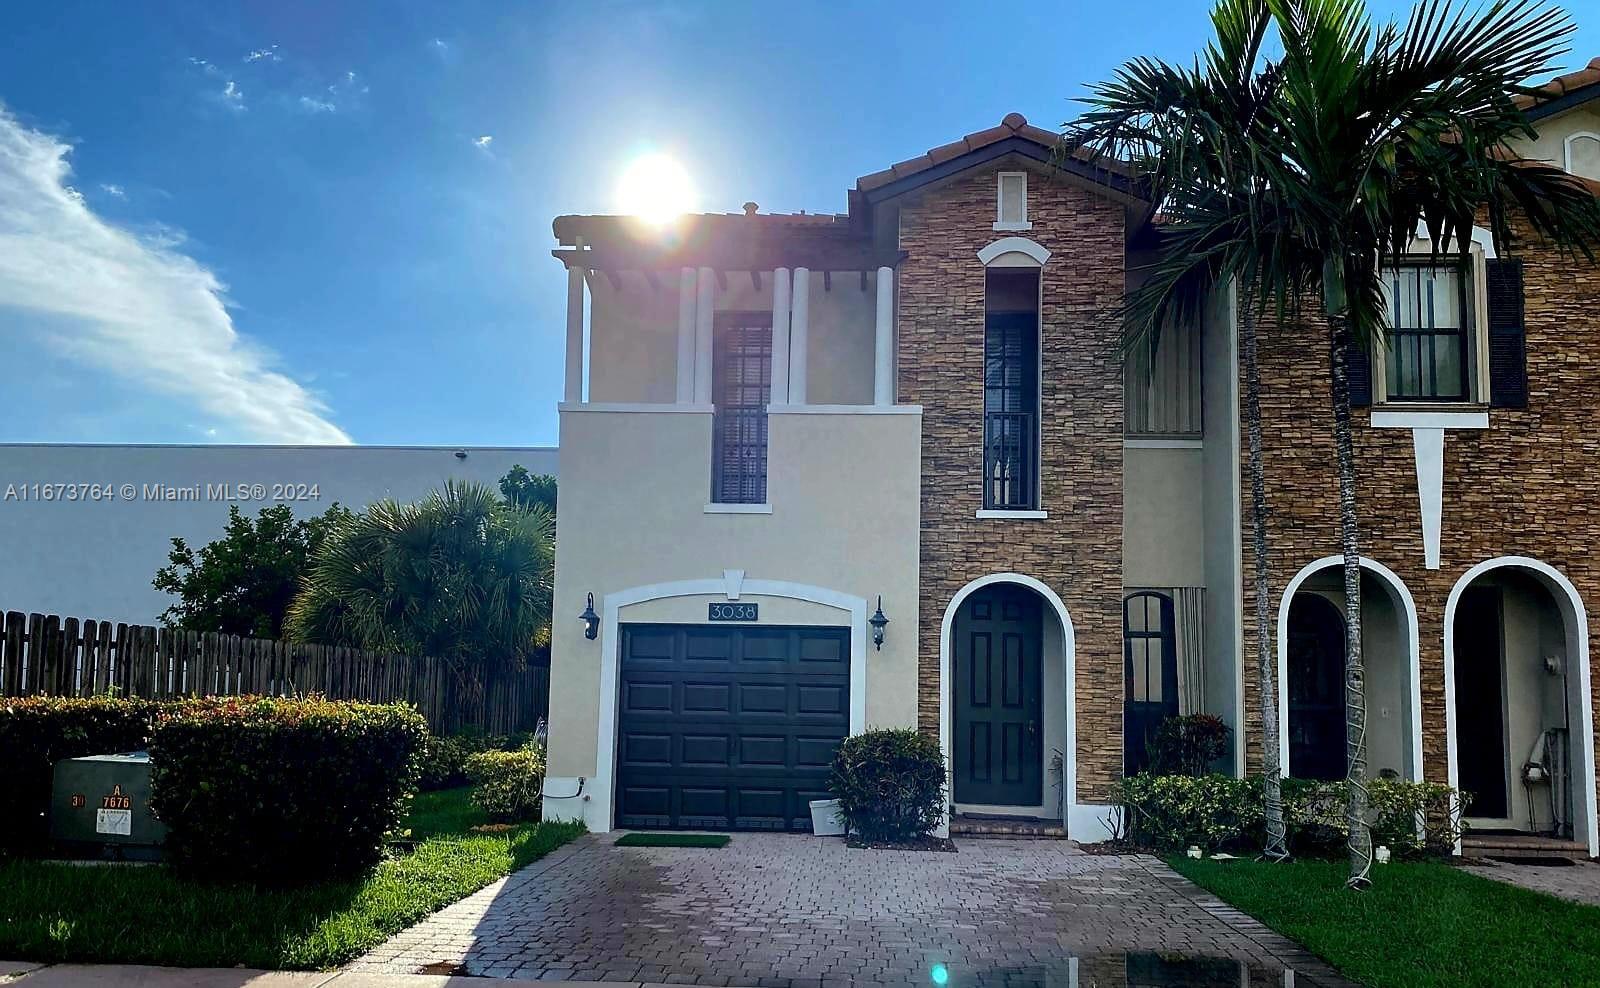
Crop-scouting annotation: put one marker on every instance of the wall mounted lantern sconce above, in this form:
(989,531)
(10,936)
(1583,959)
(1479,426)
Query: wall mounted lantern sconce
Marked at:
(878,622)
(591,620)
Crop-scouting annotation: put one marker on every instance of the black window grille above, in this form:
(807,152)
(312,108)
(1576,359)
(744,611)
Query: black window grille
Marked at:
(1427,353)
(741,384)
(1150,673)
(1011,412)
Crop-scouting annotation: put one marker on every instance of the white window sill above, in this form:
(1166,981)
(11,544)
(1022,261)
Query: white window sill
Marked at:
(1015,515)
(1013,227)
(713,508)
(1393,417)
(1138,442)
(844,409)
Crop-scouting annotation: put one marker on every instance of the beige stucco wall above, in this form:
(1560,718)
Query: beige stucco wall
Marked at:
(633,335)
(843,491)
(1163,521)
(1550,145)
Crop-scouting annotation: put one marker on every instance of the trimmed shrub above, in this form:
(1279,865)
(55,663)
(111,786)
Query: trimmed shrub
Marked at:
(281,790)
(507,785)
(442,761)
(1221,813)
(38,731)
(1188,744)
(890,784)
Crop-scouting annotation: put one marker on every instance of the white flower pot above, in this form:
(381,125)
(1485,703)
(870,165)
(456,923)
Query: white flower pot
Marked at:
(825,818)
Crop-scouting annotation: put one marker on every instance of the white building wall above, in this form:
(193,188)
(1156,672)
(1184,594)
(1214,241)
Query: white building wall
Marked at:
(95,558)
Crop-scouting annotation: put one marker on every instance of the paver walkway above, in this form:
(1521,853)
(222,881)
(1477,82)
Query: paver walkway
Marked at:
(1580,882)
(790,911)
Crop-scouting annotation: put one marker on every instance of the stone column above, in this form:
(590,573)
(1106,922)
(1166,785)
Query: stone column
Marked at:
(799,320)
(574,377)
(883,341)
(686,330)
(780,336)
(705,305)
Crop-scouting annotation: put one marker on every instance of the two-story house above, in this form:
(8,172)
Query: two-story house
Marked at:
(888,468)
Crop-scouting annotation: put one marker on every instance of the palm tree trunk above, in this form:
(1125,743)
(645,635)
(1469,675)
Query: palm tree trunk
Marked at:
(1355,690)
(1277,838)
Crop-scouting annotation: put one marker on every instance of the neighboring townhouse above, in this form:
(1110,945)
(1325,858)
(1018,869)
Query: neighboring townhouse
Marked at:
(822,473)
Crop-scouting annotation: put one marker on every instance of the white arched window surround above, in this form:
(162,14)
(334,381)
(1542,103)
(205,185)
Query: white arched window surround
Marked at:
(1571,139)
(1014,252)
(1576,624)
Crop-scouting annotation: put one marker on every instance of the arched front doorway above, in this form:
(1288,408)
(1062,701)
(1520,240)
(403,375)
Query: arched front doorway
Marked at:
(1315,684)
(1311,711)
(1517,701)
(1006,700)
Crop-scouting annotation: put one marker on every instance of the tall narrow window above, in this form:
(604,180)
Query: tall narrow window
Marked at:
(1011,391)
(1427,353)
(741,385)
(1150,673)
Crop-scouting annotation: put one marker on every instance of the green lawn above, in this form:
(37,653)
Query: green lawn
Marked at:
(53,912)
(1419,924)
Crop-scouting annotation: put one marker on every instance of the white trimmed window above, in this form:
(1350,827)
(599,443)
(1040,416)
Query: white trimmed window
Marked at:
(1011,202)
(1583,154)
(1434,350)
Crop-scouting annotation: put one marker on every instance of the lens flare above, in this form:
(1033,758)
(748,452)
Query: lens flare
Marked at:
(655,188)
(940,975)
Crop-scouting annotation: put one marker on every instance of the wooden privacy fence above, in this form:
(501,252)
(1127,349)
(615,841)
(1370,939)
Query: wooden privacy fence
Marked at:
(47,654)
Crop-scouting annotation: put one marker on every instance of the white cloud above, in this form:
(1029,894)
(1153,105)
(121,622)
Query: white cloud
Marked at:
(482,143)
(134,307)
(317,105)
(232,96)
(267,54)
(113,190)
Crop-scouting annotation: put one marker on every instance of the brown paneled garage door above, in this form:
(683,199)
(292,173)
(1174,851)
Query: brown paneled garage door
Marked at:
(729,728)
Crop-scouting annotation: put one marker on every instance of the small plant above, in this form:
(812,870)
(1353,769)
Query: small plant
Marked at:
(507,785)
(442,760)
(1188,745)
(890,784)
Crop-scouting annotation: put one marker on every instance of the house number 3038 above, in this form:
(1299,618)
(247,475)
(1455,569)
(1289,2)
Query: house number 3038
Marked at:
(733,611)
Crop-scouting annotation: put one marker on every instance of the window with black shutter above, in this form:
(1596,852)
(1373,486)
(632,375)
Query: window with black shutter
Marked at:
(741,386)
(1508,363)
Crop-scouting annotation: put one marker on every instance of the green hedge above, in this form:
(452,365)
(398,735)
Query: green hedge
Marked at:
(1221,813)
(281,790)
(36,732)
(442,762)
(507,785)
(889,783)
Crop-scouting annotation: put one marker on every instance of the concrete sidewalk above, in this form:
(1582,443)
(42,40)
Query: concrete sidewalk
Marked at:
(25,975)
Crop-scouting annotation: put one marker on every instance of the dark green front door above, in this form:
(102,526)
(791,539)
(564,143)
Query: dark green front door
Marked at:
(997,686)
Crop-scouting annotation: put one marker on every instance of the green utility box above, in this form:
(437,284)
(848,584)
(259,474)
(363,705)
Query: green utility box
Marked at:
(102,803)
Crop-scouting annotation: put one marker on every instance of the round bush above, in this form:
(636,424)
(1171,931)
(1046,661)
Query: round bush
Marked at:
(508,785)
(890,784)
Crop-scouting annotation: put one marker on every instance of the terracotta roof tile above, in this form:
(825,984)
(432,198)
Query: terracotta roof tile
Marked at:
(1014,125)
(1564,84)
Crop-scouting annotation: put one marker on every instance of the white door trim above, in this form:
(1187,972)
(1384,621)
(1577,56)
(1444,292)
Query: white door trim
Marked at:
(1576,622)
(611,658)
(1408,607)
(1069,678)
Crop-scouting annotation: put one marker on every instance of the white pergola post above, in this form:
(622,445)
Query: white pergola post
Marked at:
(883,341)
(705,305)
(799,320)
(686,329)
(780,336)
(574,377)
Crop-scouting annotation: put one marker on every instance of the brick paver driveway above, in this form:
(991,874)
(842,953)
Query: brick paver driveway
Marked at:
(790,911)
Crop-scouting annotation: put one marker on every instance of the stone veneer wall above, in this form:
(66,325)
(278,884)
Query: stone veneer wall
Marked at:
(1077,550)
(1527,486)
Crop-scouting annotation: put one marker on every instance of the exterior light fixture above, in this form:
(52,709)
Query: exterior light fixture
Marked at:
(591,620)
(878,621)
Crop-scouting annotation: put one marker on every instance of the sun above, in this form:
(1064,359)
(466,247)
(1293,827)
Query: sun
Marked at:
(655,188)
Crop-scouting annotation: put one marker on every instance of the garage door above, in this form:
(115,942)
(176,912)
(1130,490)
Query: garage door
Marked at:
(729,728)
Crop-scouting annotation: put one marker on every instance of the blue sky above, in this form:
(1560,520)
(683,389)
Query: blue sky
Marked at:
(282,222)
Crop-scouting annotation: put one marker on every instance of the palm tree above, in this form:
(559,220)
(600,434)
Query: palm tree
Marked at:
(1188,132)
(460,575)
(1362,135)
